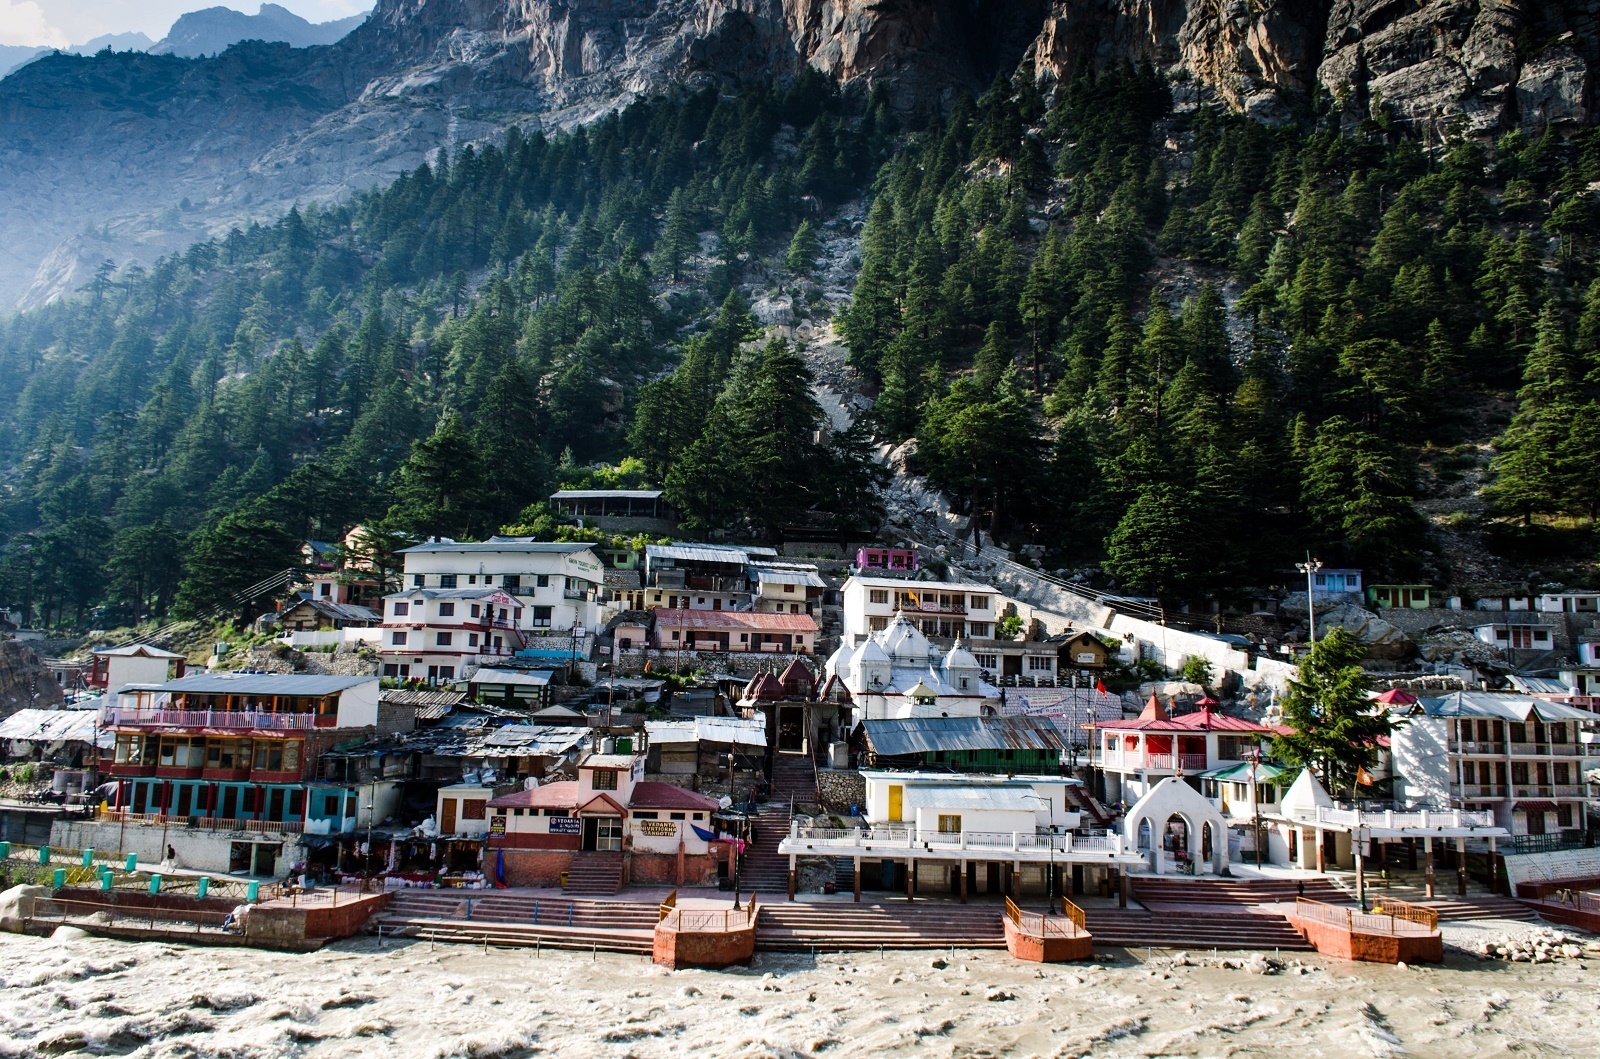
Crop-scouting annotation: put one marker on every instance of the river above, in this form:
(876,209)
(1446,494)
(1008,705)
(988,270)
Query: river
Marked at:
(93,996)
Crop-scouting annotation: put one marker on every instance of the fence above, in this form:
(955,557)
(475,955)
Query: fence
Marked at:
(1359,922)
(710,919)
(1039,925)
(667,905)
(1419,914)
(60,912)
(200,823)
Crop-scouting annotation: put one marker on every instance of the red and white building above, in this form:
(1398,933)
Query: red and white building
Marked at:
(734,631)
(1136,754)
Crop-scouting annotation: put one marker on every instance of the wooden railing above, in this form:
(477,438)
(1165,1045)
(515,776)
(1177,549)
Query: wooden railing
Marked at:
(667,905)
(1420,914)
(200,823)
(1074,913)
(1358,922)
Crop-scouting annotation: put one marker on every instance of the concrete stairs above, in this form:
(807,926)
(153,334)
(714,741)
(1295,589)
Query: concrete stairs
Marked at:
(766,870)
(1465,909)
(519,920)
(594,874)
(1193,931)
(1089,805)
(794,776)
(846,927)
(1239,893)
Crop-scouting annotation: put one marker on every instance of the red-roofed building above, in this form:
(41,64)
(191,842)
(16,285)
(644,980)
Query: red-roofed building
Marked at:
(1137,754)
(735,631)
(608,818)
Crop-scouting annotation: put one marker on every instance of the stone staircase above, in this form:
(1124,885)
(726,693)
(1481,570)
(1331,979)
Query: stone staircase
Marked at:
(1089,805)
(519,920)
(843,927)
(1193,931)
(1161,891)
(794,776)
(594,874)
(1465,909)
(765,870)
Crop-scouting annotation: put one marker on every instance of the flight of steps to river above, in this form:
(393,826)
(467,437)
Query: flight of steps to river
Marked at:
(848,927)
(515,919)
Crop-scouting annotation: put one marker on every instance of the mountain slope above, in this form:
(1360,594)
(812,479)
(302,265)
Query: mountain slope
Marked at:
(215,29)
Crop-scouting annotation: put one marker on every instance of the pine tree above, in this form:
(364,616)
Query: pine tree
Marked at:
(1528,481)
(1333,727)
(803,250)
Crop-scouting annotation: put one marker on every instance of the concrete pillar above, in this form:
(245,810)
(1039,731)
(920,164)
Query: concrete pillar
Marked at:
(1321,863)
(911,879)
(963,882)
(1461,867)
(792,875)
(1016,881)
(1122,888)
(1494,875)
(857,893)
(1427,861)
(1361,877)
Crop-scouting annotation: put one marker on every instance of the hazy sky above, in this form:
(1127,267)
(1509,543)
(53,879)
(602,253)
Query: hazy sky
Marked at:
(58,23)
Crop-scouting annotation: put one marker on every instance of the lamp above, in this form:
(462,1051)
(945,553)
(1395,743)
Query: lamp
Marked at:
(1309,568)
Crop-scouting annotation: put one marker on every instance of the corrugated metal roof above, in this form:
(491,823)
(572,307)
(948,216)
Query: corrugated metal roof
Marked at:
(705,553)
(263,684)
(1501,705)
(606,494)
(892,738)
(53,726)
(734,619)
(1538,685)
(143,650)
(999,798)
(500,544)
(781,576)
(532,739)
(739,731)
(537,678)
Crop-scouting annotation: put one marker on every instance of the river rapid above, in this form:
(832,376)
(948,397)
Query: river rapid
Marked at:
(81,995)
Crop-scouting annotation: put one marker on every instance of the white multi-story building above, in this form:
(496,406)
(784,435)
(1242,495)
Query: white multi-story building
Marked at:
(1520,757)
(469,603)
(937,608)
(558,584)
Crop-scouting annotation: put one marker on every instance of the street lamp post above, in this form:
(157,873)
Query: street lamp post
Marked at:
(1255,803)
(1309,568)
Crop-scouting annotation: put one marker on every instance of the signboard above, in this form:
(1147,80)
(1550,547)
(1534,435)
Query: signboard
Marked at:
(497,824)
(566,825)
(658,828)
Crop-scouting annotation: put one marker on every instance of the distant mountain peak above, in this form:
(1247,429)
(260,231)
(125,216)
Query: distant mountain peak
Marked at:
(213,30)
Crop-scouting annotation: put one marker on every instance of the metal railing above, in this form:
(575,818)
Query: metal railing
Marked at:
(710,919)
(979,841)
(1577,900)
(200,823)
(241,719)
(1419,914)
(1357,922)
(54,910)
(1389,818)
(1174,761)
(1039,925)
(1467,746)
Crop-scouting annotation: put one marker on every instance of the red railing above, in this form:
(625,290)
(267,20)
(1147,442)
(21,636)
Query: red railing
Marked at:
(200,823)
(216,719)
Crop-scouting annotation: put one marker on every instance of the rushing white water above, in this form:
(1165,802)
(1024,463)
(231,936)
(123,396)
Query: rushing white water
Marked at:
(93,996)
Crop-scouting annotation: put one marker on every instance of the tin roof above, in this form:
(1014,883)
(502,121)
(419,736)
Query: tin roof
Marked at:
(653,795)
(892,738)
(140,650)
(733,730)
(606,494)
(780,575)
(1204,720)
(526,545)
(55,726)
(263,684)
(537,678)
(707,553)
(559,795)
(1504,706)
(735,619)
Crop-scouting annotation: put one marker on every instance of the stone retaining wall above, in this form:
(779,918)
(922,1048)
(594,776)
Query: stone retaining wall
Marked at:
(839,789)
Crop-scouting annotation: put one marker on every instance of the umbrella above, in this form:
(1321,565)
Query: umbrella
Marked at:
(1397,697)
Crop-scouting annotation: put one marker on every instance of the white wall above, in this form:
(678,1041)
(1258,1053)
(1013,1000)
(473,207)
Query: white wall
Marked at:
(1421,756)
(358,706)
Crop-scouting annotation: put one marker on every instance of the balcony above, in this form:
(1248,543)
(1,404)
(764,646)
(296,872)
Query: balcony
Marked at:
(1484,790)
(225,775)
(1530,749)
(119,716)
(1174,762)
(199,823)
(179,772)
(954,609)
(1481,749)
(1102,847)
(127,769)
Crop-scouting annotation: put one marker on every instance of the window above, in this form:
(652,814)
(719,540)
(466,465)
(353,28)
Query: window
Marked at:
(447,610)
(325,589)
(472,808)
(475,611)
(399,638)
(605,779)
(512,582)
(331,804)
(556,812)
(416,580)
(541,580)
(986,661)
(700,601)
(447,580)
(472,579)
(184,752)
(444,639)
(679,816)
(699,816)
(447,672)
(877,624)
(541,617)
(1564,815)
(228,754)
(744,637)
(674,634)
(977,602)
(789,589)
(269,757)
(402,609)
(646,816)
(949,824)
(879,596)
(1037,664)
(472,639)
(978,630)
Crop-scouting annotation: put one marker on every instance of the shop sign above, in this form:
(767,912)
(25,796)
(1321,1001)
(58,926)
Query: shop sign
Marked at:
(658,828)
(566,825)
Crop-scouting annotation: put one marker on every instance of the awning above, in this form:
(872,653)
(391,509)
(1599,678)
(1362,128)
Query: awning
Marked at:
(1535,807)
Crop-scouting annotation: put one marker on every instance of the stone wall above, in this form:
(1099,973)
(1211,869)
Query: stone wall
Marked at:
(841,788)
(198,850)
(536,867)
(24,681)
(661,869)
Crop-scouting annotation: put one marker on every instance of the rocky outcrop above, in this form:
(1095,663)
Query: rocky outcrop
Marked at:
(1481,66)
(24,680)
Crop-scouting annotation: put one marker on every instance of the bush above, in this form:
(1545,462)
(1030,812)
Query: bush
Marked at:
(1197,670)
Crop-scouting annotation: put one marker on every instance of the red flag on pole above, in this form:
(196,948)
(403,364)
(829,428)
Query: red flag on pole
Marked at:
(1100,686)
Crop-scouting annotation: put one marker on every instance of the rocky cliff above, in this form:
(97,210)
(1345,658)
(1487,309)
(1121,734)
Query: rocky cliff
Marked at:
(130,156)
(24,680)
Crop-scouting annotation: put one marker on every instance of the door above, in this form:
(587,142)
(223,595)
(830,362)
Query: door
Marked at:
(992,879)
(897,798)
(608,834)
(185,797)
(266,857)
(230,803)
(1536,823)
(447,817)
(275,804)
(591,833)
(792,728)
(1011,666)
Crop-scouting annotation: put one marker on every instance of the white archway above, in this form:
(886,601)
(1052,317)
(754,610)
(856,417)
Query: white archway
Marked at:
(1148,820)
